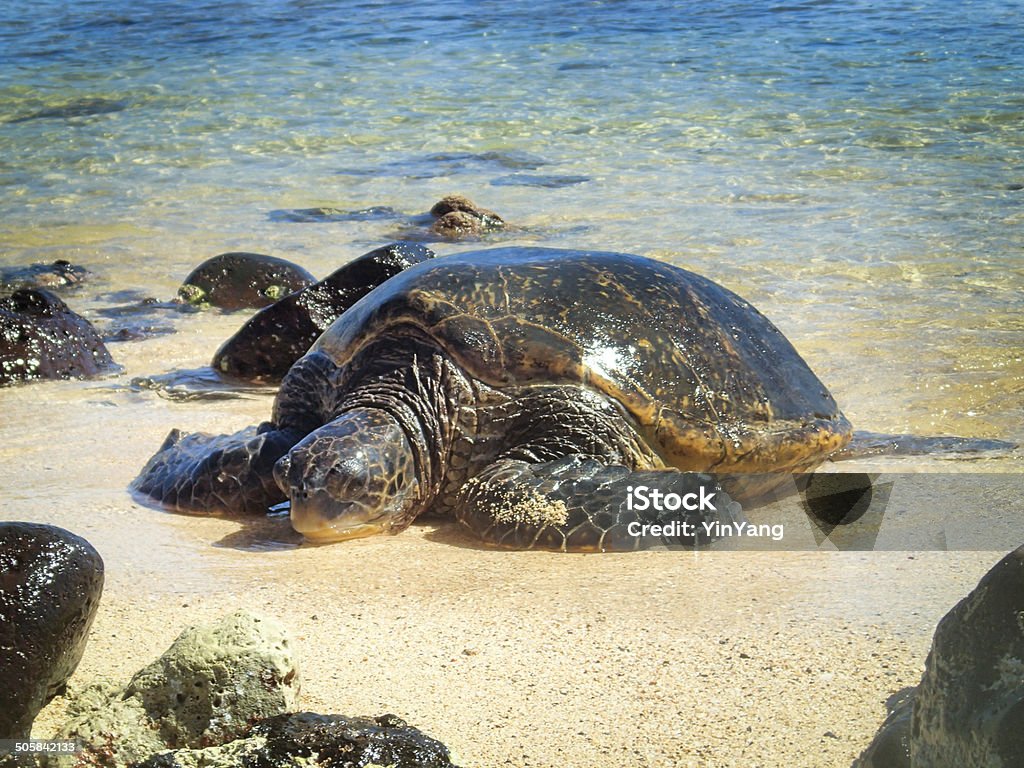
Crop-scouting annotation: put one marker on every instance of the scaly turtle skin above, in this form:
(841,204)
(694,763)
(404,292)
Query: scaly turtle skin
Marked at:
(273,339)
(522,390)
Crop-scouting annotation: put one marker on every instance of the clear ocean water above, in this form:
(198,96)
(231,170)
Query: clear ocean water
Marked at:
(856,169)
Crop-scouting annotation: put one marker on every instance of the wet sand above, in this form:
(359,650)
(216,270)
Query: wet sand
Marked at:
(536,659)
(511,658)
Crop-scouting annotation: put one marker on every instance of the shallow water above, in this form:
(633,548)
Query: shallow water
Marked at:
(855,171)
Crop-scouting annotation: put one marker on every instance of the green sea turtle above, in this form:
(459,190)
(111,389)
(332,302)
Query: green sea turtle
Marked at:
(524,391)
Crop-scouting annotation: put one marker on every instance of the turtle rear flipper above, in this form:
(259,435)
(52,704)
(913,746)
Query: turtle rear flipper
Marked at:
(197,472)
(579,504)
(876,444)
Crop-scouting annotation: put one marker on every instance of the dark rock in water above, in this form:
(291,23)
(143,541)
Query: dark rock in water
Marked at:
(326,215)
(40,338)
(459,217)
(243,281)
(452,218)
(50,585)
(447,164)
(328,741)
(538,180)
(59,274)
(142,318)
(78,108)
(266,346)
(968,709)
(457,225)
(136,332)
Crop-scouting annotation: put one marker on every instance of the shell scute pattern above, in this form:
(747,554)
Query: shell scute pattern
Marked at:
(698,368)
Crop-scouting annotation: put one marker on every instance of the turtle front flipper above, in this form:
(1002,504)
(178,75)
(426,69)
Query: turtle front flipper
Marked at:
(197,472)
(579,504)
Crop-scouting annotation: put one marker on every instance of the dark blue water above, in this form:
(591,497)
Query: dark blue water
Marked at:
(855,168)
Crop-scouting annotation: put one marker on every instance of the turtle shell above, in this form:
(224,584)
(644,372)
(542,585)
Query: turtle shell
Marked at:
(709,382)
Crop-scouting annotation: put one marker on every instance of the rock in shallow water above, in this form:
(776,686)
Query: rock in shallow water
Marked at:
(459,217)
(968,709)
(58,274)
(243,281)
(50,585)
(40,338)
(266,346)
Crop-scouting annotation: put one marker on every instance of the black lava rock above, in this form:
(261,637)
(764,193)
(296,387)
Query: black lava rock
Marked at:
(273,339)
(50,585)
(243,281)
(330,741)
(40,338)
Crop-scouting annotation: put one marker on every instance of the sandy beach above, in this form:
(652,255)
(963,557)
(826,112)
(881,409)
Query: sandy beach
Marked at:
(538,659)
(711,658)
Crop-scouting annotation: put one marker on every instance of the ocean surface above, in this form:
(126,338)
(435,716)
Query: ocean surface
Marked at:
(855,169)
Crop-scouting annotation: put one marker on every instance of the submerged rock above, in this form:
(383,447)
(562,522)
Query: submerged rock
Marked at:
(79,108)
(266,346)
(968,709)
(241,280)
(307,740)
(206,689)
(458,217)
(40,338)
(50,586)
(326,215)
(58,274)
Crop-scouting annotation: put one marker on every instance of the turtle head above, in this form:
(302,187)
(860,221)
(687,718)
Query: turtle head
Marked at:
(354,477)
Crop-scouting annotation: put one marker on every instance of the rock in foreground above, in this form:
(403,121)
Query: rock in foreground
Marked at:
(207,689)
(969,707)
(50,585)
(307,740)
